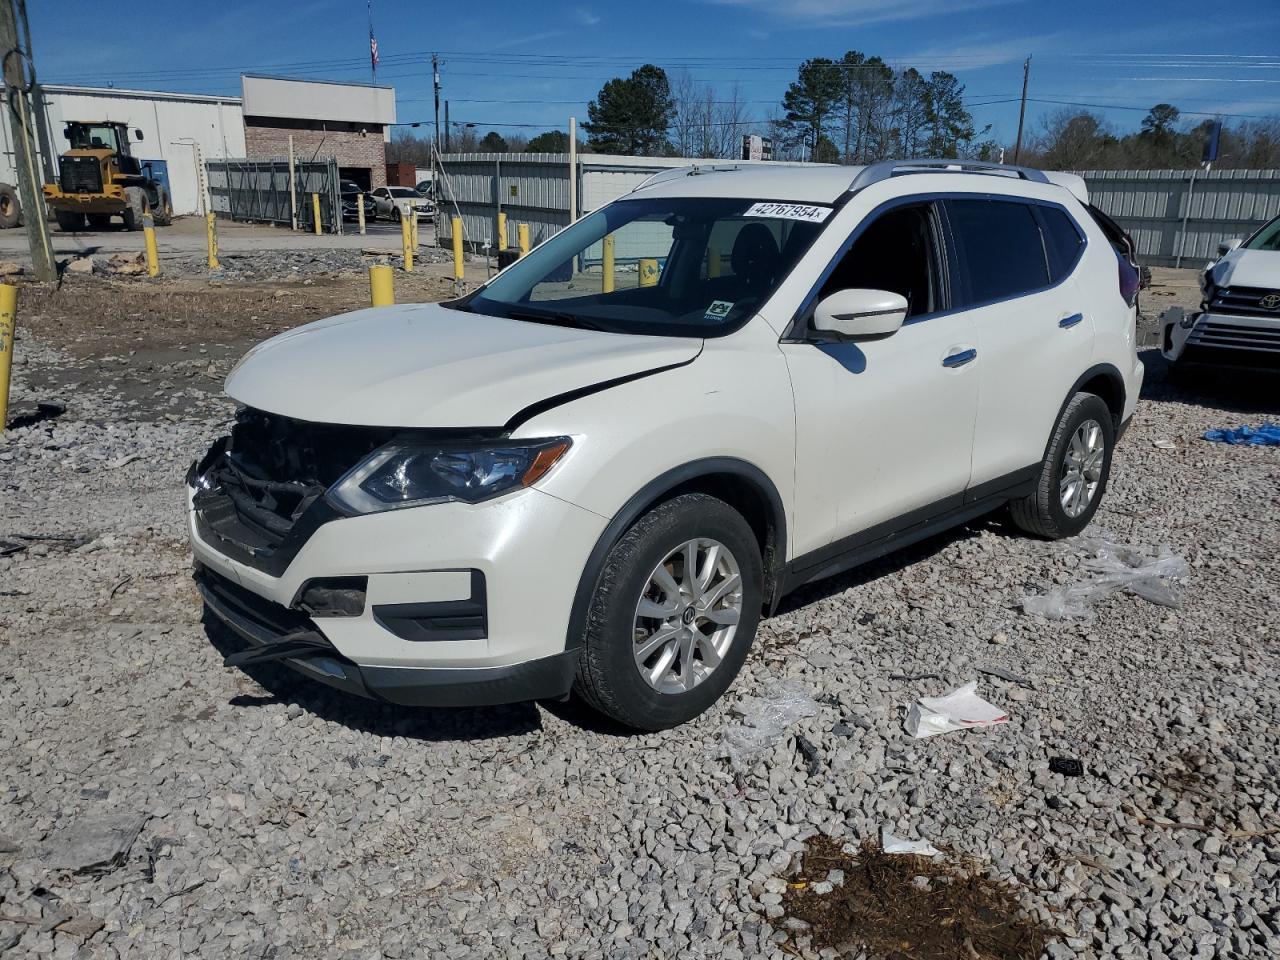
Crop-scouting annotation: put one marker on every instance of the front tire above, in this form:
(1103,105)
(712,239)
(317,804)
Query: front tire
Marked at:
(1074,474)
(674,614)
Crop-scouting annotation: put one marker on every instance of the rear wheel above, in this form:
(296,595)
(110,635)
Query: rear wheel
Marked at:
(69,221)
(674,614)
(163,208)
(10,208)
(395,215)
(1073,476)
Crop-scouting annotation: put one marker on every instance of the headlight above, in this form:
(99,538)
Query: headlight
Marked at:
(409,474)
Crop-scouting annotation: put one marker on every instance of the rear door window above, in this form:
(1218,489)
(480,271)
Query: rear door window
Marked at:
(1001,252)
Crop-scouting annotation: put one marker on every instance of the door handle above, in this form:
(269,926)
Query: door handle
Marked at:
(960,359)
(1066,323)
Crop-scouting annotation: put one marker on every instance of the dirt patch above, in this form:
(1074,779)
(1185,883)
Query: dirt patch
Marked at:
(910,908)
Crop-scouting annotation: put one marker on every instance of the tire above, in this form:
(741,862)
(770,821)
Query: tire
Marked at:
(69,221)
(136,209)
(1044,513)
(609,676)
(163,210)
(396,215)
(10,207)
(99,221)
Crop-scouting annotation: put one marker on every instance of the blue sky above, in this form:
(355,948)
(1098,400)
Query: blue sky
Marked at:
(538,62)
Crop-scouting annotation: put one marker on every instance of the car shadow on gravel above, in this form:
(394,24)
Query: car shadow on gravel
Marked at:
(283,686)
(1227,389)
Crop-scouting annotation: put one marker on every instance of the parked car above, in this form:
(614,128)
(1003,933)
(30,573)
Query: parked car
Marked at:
(573,480)
(1238,323)
(426,188)
(352,191)
(395,203)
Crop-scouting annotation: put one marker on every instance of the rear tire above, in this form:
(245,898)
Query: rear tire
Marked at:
(709,620)
(69,221)
(163,210)
(10,207)
(1074,474)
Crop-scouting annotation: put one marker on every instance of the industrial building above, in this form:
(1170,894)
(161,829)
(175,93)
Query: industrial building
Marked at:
(182,131)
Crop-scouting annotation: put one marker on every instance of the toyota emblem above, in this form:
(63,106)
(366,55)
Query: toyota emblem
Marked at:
(1270,302)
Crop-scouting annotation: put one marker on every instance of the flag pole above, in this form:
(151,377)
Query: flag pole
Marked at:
(373,49)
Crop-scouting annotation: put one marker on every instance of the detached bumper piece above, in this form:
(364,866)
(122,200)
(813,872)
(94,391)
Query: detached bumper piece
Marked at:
(278,634)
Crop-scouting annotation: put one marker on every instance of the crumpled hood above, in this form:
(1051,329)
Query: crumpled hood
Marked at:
(1248,268)
(422,365)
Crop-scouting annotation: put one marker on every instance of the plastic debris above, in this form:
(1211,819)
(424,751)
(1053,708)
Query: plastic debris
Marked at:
(1067,766)
(1163,444)
(1117,567)
(918,848)
(961,709)
(1266,435)
(94,845)
(765,719)
(1009,675)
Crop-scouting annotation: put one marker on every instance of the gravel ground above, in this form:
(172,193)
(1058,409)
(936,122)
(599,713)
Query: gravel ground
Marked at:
(280,819)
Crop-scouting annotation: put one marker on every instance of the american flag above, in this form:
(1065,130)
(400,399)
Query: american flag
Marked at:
(373,49)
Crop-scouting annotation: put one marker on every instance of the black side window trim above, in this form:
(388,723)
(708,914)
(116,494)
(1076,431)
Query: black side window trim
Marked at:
(1082,240)
(798,328)
(964,302)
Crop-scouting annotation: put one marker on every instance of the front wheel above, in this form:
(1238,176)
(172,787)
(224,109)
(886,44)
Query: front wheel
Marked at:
(674,614)
(1073,476)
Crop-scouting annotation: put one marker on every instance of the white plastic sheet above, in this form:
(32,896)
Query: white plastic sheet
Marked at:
(961,709)
(1116,567)
(765,719)
(919,848)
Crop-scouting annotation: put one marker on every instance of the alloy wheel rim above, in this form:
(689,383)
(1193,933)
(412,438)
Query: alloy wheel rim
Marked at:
(687,616)
(1082,468)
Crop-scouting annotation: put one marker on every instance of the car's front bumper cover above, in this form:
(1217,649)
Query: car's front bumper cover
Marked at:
(264,624)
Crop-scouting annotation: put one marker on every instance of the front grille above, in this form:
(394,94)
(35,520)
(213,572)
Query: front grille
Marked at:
(1236,336)
(267,617)
(80,174)
(260,492)
(1247,300)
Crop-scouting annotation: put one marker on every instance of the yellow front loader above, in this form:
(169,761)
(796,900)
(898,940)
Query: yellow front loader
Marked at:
(99,178)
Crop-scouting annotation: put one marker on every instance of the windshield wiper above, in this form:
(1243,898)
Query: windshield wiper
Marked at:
(556,318)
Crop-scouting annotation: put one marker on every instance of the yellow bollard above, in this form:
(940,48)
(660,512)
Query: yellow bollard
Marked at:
(8,319)
(211,229)
(523,233)
(153,254)
(457,248)
(648,272)
(382,290)
(360,211)
(404,243)
(713,262)
(502,230)
(607,264)
(315,212)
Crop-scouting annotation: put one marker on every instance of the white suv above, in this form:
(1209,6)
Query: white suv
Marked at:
(599,470)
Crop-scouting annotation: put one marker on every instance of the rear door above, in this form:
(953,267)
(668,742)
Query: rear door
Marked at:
(1017,260)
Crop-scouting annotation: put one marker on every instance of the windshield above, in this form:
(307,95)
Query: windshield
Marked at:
(94,137)
(1268,238)
(691,267)
(403,192)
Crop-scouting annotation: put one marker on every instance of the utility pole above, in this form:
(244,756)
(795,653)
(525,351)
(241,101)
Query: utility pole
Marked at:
(25,160)
(446,126)
(1022,110)
(47,152)
(435,75)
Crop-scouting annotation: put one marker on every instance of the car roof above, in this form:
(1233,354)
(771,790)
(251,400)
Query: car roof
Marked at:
(826,183)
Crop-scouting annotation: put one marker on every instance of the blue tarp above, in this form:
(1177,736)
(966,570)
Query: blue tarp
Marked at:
(1266,435)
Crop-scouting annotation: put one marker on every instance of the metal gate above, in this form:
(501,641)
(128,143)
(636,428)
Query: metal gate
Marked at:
(258,191)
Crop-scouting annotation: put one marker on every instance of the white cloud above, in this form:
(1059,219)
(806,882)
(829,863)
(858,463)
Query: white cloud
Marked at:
(586,17)
(977,53)
(810,13)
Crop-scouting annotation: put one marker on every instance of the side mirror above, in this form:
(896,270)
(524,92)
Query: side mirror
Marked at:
(66,133)
(860,314)
(137,134)
(1226,246)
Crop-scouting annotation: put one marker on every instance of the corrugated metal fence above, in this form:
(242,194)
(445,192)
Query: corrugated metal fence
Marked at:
(1182,215)
(258,191)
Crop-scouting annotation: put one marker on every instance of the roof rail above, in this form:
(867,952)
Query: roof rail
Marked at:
(692,170)
(875,172)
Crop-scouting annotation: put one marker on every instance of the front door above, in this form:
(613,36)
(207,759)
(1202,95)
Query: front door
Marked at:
(884,428)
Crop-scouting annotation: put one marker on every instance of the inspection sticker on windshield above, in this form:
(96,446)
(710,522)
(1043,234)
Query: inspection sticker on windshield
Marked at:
(718,310)
(789,211)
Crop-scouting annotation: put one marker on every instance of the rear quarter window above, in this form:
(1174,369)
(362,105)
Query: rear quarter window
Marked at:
(1063,241)
(1001,251)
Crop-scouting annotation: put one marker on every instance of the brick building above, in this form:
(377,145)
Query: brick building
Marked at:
(347,121)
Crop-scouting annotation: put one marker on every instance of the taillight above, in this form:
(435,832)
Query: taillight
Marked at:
(1130,279)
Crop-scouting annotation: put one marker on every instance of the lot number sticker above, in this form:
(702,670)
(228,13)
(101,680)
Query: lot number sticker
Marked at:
(789,211)
(718,310)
